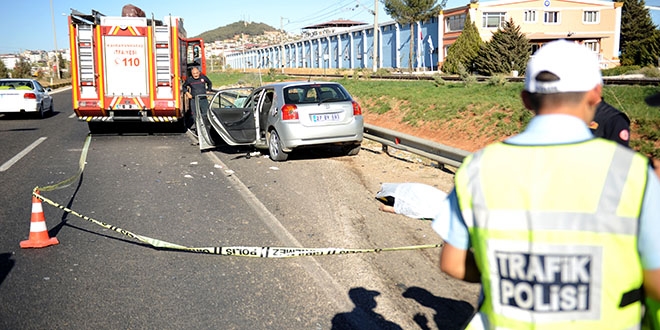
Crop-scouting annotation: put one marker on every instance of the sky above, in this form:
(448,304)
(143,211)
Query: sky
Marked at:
(28,24)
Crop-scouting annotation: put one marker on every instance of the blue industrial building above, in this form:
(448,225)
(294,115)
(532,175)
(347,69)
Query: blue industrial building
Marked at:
(350,48)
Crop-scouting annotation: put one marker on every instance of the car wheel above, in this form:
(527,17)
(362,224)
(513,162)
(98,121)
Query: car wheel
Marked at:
(50,108)
(352,150)
(40,113)
(275,148)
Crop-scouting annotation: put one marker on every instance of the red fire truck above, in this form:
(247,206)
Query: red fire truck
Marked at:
(130,68)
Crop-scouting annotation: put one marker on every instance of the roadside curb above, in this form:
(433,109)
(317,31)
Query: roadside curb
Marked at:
(58,85)
(60,89)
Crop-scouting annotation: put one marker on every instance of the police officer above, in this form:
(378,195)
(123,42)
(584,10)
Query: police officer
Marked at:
(560,228)
(611,124)
(653,305)
(197,84)
(654,101)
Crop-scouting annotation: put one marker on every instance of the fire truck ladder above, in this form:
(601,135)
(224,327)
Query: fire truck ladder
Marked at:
(163,68)
(86,61)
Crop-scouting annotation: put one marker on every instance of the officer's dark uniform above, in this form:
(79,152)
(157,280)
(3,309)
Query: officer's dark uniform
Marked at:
(198,86)
(611,124)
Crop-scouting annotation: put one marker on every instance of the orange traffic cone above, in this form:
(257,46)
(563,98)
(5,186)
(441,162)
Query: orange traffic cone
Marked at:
(38,232)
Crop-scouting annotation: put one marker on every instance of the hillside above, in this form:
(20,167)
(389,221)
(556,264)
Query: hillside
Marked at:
(234,29)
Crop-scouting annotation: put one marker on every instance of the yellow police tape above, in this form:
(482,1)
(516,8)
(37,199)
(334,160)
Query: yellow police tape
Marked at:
(242,251)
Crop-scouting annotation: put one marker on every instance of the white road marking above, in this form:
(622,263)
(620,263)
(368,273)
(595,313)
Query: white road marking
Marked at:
(73,115)
(323,279)
(21,154)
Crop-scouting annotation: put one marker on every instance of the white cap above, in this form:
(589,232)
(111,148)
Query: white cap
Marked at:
(575,65)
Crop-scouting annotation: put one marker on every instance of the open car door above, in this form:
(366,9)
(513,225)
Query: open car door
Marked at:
(233,115)
(202,125)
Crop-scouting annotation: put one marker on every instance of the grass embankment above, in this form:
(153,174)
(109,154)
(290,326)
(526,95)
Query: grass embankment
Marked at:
(494,108)
(56,82)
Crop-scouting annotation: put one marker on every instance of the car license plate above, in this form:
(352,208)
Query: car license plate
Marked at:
(325,117)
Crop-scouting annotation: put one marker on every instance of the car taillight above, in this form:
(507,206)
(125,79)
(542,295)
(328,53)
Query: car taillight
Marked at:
(357,111)
(30,96)
(289,112)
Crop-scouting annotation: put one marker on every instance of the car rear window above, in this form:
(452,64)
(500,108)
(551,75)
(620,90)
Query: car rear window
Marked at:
(316,93)
(16,84)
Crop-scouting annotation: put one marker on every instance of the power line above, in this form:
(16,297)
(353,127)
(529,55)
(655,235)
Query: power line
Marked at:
(362,11)
(324,13)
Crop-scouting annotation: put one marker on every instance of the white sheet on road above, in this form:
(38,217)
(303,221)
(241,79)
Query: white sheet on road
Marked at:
(414,200)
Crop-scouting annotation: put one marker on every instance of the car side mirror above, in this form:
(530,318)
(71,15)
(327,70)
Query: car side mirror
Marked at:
(48,90)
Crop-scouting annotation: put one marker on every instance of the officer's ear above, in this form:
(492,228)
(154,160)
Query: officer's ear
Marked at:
(527,101)
(655,164)
(595,95)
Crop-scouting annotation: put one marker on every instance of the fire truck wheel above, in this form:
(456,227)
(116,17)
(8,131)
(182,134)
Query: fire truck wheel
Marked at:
(94,127)
(179,126)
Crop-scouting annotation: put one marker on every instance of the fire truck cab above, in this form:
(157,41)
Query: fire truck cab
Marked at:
(130,68)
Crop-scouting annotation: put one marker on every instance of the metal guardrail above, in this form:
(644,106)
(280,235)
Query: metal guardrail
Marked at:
(435,151)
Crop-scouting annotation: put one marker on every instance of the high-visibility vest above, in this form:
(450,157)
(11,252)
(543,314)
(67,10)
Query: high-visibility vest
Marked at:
(554,234)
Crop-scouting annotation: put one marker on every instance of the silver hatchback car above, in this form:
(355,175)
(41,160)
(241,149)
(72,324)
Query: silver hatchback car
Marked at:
(284,116)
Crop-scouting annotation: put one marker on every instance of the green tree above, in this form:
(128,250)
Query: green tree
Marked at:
(23,69)
(61,61)
(409,12)
(4,72)
(464,50)
(64,65)
(507,50)
(640,39)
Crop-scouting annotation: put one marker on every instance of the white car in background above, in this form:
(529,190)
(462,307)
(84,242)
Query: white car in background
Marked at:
(25,96)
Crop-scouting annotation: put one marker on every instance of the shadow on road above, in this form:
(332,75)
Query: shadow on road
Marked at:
(135,128)
(10,116)
(449,313)
(64,222)
(55,230)
(308,153)
(6,264)
(363,315)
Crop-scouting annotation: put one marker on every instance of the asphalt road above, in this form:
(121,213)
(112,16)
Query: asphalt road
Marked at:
(160,185)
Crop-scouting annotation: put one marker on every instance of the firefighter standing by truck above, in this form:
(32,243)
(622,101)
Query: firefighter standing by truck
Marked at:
(198,84)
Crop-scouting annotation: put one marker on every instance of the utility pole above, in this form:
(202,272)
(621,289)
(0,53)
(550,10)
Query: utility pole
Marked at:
(57,58)
(282,42)
(375,52)
(244,64)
